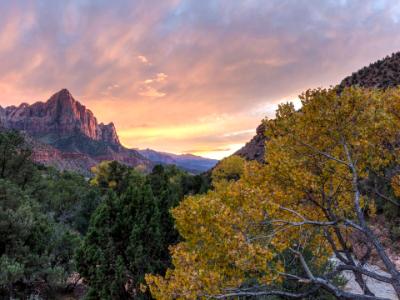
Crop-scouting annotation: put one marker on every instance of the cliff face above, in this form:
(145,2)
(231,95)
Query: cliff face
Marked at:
(382,74)
(60,116)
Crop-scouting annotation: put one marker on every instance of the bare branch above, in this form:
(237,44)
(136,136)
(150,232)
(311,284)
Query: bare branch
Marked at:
(305,222)
(327,155)
(364,272)
(390,266)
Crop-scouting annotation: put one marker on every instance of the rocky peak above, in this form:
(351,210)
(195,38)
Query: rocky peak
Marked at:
(109,133)
(60,116)
(63,100)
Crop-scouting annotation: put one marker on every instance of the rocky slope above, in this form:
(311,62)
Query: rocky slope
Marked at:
(65,134)
(255,148)
(382,74)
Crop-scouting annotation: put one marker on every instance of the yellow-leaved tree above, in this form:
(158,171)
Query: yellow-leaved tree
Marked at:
(282,221)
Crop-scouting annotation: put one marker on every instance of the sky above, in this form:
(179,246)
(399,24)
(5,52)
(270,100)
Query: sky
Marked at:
(187,76)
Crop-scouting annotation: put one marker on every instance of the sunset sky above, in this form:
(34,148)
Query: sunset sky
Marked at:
(187,76)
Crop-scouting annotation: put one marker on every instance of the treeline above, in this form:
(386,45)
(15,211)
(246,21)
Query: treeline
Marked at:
(58,229)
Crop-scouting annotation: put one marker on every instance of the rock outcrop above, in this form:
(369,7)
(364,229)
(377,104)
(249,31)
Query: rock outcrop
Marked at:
(255,149)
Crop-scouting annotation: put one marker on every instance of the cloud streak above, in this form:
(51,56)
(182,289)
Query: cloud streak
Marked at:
(199,74)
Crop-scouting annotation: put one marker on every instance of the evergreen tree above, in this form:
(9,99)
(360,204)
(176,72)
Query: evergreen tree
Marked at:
(124,242)
(32,247)
(131,231)
(41,210)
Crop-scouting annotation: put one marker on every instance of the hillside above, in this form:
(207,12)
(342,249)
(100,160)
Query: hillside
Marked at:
(383,73)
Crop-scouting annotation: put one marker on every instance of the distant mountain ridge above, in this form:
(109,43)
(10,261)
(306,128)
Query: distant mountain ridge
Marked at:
(65,134)
(383,73)
(189,162)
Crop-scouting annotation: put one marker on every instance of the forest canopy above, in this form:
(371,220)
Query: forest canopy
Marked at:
(54,224)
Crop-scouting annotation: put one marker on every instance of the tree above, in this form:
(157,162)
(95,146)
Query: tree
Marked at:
(15,158)
(32,247)
(131,231)
(36,243)
(243,238)
(230,168)
(67,197)
(124,242)
(112,175)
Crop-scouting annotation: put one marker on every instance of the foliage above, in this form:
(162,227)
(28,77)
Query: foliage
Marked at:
(68,197)
(130,232)
(111,175)
(15,163)
(40,211)
(230,168)
(124,240)
(32,247)
(240,237)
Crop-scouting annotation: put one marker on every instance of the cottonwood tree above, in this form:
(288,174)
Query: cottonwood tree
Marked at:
(274,231)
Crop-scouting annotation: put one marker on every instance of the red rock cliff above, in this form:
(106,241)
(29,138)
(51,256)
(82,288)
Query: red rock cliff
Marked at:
(61,115)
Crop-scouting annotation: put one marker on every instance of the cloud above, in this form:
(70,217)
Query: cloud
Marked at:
(113,86)
(143,59)
(161,77)
(178,63)
(148,91)
(239,133)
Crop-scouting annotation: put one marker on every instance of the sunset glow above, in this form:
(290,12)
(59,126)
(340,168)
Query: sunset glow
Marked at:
(187,76)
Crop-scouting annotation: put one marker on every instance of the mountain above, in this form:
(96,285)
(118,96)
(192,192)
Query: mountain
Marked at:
(191,163)
(60,116)
(383,73)
(65,134)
